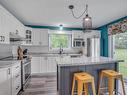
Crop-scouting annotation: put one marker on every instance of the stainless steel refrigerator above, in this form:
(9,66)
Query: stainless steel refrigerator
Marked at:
(93,47)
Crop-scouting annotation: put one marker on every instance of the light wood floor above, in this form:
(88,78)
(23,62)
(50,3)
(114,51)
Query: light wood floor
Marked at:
(42,85)
(46,85)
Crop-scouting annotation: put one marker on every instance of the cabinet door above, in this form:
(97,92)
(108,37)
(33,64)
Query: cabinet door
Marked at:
(43,64)
(51,64)
(35,65)
(5,81)
(78,34)
(16,78)
(36,37)
(44,37)
(29,36)
(5,28)
(40,37)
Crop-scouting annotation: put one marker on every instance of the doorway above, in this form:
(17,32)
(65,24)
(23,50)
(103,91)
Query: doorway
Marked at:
(120,45)
(118,50)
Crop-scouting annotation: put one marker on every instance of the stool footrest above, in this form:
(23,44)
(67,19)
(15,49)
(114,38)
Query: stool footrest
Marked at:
(106,93)
(104,88)
(117,92)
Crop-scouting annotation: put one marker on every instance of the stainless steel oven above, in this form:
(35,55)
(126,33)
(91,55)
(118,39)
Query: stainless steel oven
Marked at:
(26,72)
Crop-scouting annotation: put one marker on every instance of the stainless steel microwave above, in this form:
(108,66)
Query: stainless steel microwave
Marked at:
(78,43)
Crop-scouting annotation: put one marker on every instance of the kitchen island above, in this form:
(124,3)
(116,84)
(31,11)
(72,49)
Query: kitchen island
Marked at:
(66,67)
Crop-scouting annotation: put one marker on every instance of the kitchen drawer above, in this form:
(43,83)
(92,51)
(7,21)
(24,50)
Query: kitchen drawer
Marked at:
(17,76)
(16,69)
(16,89)
(16,85)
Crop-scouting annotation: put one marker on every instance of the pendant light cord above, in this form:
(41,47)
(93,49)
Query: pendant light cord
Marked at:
(77,17)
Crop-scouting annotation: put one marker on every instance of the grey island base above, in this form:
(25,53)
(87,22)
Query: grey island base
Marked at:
(66,67)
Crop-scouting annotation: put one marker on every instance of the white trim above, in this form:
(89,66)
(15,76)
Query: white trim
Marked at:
(59,32)
(111,46)
(56,49)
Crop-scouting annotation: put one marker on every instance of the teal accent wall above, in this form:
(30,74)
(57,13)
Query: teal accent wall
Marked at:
(104,36)
(104,41)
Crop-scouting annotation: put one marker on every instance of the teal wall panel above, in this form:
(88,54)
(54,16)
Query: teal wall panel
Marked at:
(104,36)
(104,41)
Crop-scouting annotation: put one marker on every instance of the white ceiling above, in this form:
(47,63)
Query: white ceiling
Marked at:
(56,12)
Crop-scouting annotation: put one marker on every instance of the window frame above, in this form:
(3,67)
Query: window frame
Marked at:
(60,33)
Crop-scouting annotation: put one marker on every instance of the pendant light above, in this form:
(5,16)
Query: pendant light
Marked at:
(87,20)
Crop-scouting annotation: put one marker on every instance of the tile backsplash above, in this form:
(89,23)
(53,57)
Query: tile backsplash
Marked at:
(7,50)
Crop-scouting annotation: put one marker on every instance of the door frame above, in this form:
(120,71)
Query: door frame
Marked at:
(111,46)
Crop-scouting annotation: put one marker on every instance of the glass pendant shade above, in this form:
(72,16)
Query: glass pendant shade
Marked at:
(87,23)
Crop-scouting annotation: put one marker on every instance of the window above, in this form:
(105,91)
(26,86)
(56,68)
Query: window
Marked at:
(59,40)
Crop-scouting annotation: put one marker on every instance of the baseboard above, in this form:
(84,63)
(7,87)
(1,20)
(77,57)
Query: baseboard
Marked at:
(43,74)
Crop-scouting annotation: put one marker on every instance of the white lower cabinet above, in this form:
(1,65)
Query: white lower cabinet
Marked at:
(5,81)
(35,65)
(51,64)
(43,65)
(10,79)
(16,78)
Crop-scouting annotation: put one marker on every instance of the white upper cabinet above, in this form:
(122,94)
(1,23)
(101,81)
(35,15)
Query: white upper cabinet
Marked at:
(9,24)
(77,34)
(28,36)
(40,37)
(5,81)
(92,34)
(44,37)
(5,28)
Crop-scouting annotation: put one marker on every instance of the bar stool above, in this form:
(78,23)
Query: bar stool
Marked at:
(111,75)
(83,79)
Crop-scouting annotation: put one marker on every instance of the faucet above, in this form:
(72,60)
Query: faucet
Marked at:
(61,49)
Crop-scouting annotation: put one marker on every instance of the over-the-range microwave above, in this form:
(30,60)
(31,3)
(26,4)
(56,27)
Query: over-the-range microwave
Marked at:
(78,42)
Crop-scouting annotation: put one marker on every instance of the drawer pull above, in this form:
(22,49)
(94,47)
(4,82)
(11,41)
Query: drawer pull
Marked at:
(17,87)
(17,76)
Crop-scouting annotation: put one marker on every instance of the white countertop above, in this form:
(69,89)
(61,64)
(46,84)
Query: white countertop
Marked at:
(5,64)
(68,61)
(53,54)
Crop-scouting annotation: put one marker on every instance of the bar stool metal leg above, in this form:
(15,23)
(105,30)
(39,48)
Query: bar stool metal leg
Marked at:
(73,86)
(100,81)
(123,85)
(110,86)
(93,88)
(80,87)
(86,88)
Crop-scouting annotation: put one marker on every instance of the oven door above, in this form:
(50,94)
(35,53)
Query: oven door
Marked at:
(26,71)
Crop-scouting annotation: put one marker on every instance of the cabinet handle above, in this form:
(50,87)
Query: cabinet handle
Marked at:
(9,71)
(17,76)
(17,87)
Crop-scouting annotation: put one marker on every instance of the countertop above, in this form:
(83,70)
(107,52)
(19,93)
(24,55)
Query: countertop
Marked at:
(67,61)
(53,54)
(5,64)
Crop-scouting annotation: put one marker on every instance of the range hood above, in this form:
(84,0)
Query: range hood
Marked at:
(15,37)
